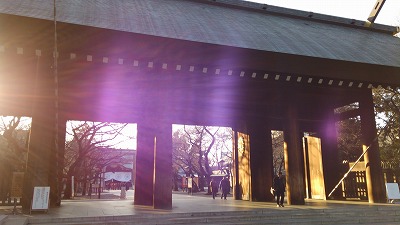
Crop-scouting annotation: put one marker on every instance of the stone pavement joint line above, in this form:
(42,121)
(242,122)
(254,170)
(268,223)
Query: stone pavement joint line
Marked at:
(202,209)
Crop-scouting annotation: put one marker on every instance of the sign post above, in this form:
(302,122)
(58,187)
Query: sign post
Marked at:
(393,193)
(72,187)
(40,199)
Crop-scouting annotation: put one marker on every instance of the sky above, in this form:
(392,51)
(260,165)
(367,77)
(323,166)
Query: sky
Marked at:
(352,9)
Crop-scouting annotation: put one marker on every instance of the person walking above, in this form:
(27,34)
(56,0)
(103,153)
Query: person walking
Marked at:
(214,187)
(279,187)
(225,187)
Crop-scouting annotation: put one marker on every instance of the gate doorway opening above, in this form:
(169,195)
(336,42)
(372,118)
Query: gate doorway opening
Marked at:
(98,156)
(199,154)
(14,137)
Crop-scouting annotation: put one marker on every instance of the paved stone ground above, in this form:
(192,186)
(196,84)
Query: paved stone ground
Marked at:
(110,204)
(107,195)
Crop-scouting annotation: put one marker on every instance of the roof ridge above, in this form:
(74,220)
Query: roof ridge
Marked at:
(307,15)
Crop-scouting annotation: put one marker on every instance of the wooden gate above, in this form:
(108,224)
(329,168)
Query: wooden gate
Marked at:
(355,186)
(314,173)
(5,186)
(10,187)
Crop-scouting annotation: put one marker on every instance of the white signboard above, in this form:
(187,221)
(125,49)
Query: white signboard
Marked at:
(72,187)
(392,191)
(40,199)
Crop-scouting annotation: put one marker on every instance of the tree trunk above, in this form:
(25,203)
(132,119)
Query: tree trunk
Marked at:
(84,188)
(201,183)
(68,188)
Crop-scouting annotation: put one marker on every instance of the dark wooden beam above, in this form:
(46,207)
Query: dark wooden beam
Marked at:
(375,11)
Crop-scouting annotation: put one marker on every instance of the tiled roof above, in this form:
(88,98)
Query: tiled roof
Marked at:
(229,22)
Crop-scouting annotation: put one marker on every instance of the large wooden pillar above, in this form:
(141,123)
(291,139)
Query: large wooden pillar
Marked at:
(39,150)
(154,165)
(261,162)
(153,182)
(293,158)
(374,175)
(56,165)
(163,168)
(41,139)
(146,134)
(330,157)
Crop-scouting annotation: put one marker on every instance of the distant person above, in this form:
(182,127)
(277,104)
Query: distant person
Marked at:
(214,187)
(279,187)
(127,186)
(225,187)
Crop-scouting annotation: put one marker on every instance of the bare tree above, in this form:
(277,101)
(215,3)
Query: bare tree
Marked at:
(83,158)
(197,150)
(197,139)
(184,156)
(277,148)
(222,156)
(14,133)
